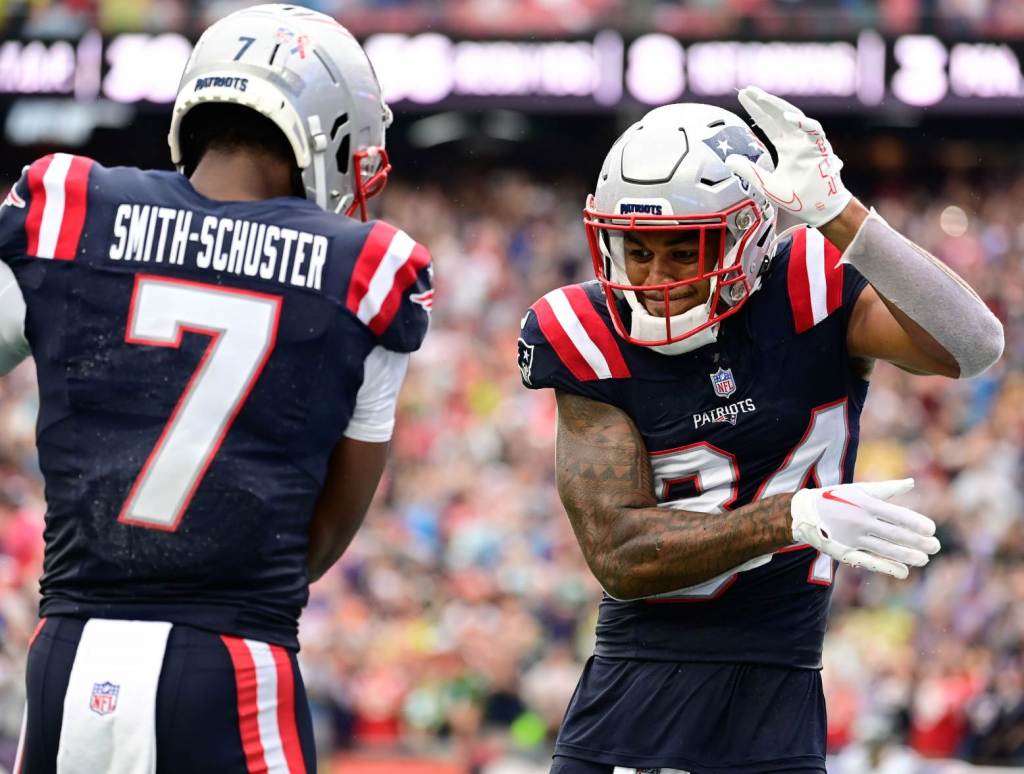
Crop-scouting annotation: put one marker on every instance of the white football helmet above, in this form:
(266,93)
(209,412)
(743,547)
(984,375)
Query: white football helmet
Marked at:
(307,74)
(667,172)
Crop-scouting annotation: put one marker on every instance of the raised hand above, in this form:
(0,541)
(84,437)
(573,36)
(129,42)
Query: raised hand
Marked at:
(806,181)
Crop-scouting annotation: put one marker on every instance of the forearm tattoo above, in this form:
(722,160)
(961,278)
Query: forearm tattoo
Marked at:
(634,547)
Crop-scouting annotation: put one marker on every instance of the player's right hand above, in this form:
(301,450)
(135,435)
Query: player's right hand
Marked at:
(854,524)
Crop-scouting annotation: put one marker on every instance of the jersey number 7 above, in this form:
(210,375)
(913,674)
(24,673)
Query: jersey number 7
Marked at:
(242,326)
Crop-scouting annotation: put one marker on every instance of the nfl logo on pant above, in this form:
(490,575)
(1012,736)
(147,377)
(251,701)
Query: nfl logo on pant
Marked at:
(104,698)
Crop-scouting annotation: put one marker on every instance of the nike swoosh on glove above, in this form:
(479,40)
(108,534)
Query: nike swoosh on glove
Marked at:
(855,524)
(806,181)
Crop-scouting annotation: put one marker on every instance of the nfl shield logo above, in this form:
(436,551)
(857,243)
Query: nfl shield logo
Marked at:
(104,698)
(723,382)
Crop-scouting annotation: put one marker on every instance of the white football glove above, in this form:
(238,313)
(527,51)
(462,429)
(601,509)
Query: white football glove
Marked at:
(806,181)
(854,524)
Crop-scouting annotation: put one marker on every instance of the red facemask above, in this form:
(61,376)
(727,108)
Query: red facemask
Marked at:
(370,186)
(710,267)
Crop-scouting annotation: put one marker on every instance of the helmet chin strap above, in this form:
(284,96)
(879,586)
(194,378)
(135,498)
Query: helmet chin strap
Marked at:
(319,148)
(646,327)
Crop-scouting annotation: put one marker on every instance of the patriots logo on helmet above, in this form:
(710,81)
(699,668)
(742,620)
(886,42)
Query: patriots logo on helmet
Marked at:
(735,139)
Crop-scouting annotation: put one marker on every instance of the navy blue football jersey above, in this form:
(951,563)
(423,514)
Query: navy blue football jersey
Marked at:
(772,406)
(198,361)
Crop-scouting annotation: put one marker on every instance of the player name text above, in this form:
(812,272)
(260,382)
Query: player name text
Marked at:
(150,233)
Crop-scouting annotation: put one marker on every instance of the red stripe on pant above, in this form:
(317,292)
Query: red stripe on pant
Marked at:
(248,706)
(286,724)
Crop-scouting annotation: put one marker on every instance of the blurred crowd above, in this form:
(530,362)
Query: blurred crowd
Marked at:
(688,18)
(455,627)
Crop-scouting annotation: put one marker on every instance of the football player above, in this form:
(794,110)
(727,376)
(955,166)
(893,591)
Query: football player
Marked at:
(709,385)
(219,353)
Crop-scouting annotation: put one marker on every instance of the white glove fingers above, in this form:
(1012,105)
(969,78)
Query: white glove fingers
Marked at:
(903,517)
(904,537)
(743,168)
(765,114)
(876,564)
(894,551)
(885,490)
(804,123)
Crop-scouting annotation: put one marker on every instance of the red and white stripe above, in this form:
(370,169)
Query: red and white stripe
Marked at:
(581,339)
(815,278)
(387,265)
(265,683)
(58,185)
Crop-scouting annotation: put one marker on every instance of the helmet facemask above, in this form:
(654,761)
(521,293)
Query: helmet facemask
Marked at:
(721,239)
(667,172)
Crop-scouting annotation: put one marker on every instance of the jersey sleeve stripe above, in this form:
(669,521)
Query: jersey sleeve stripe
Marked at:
(571,340)
(833,276)
(53,209)
(419,259)
(76,191)
(798,283)
(382,275)
(815,263)
(286,722)
(37,203)
(375,249)
(248,704)
(560,341)
(598,331)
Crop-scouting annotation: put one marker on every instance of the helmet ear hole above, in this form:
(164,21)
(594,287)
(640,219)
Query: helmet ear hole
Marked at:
(344,154)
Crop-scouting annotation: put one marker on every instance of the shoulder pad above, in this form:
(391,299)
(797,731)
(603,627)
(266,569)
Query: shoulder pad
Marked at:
(390,288)
(575,339)
(814,278)
(44,213)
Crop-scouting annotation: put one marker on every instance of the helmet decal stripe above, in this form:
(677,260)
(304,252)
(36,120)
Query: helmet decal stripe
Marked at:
(598,331)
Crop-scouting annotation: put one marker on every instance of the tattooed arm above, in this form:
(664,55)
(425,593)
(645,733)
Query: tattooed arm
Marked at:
(633,547)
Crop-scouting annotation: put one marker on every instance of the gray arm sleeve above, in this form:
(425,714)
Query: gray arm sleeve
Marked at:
(929,293)
(13,344)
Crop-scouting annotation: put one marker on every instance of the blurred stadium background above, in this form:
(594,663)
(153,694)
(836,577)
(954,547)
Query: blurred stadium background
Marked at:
(450,637)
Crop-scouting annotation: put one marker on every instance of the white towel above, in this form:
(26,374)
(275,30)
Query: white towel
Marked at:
(110,705)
